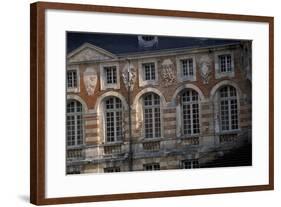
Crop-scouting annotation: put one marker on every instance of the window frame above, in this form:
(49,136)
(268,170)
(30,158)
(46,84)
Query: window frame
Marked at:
(191,162)
(75,114)
(152,107)
(229,99)
(142,81)
(218,73)
(111,169)
(114,110)
(77,88)
(103,76)
(180,76)
(154,166)
(113,74)
(190,103)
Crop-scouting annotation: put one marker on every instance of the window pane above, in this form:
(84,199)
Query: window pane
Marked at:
(190,112)
(71,78)
(228,108)
(74,123)
(150,167)
(111,74)
(225,63)
(187,67)
(152,116)
(149,71)
(113,119)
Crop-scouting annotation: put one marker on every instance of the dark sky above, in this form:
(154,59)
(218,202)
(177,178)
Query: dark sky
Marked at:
(122,43)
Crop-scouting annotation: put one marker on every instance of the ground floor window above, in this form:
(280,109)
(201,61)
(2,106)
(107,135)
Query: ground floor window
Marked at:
(74,169)
(190,164)
(152,166)
(111,169)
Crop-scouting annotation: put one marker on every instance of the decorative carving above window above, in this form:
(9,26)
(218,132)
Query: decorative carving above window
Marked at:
(205,63)
(132,75)
(90,80)
(168,72)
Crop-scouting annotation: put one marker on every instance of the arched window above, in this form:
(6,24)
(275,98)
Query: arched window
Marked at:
(74,123)
(190,112)
(113,119)
(228,108)
(152,115)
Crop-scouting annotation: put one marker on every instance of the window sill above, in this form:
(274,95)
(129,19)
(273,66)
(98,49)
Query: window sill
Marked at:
(82,146)
(236,131)
(225,74)
(73,90)
(183,78)
(144,140)
(112,143)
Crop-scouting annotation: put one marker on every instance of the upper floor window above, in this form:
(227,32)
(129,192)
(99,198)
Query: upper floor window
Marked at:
(152,166)
(111,74)
(152,115)
(113,119)
(187,67)
(190,112)
(74,123)
(149,71)
(225,63)
(228,108)
(71,79)
(190,164)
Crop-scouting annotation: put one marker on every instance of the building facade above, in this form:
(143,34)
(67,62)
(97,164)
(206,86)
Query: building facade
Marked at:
(156,109)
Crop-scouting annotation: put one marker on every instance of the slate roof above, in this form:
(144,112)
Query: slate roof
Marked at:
(122,44)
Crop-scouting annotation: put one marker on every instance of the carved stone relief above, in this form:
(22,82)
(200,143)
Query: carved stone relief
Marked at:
(90,80)
(205,63)
(168,72)
(132,75)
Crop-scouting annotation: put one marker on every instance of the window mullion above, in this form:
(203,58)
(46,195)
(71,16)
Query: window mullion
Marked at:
(191,118)
(153,122)
(114,126)
(75,131)
(229,114)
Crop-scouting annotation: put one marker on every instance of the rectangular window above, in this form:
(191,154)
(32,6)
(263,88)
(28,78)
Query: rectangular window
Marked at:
(71,79)
(190,164)
(149,71)
(225,63)
(152,166)
(111,74)
(111,169)
(187,67)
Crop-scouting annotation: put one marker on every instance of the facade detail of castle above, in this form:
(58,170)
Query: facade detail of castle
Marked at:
(156,109)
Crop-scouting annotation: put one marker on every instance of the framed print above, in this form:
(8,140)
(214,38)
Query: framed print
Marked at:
(130,103)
